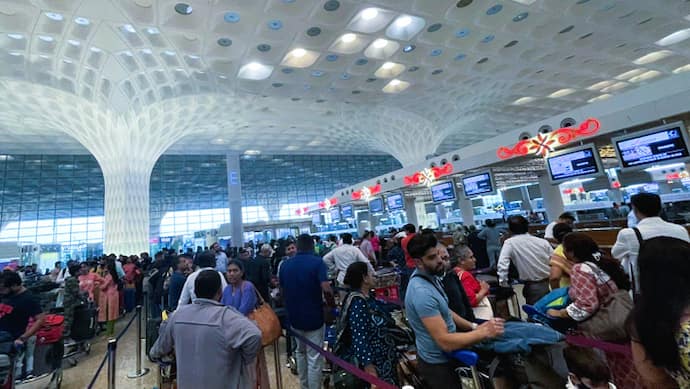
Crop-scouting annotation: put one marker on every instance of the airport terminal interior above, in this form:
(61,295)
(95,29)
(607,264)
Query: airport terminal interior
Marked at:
(537,150)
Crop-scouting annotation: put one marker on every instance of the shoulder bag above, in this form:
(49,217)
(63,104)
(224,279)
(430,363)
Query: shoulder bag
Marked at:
(266,320)
(608,323)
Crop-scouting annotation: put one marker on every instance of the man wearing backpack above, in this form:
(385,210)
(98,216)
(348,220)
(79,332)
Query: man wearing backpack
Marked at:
(647,207)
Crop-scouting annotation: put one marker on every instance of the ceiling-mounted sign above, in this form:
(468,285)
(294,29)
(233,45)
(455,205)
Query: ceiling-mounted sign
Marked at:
(543,144)
(428,176)
(366,192)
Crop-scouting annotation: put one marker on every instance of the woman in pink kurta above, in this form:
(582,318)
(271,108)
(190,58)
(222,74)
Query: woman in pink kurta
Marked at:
(109,299)
(89,281)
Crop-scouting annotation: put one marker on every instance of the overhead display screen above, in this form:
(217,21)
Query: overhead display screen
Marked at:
(395,202)
(376,205)
(444,191)
(346,212)
(477,185)
(574,163)
(335,214)
(661,144)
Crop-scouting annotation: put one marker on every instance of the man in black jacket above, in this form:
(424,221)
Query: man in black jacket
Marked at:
(258,270)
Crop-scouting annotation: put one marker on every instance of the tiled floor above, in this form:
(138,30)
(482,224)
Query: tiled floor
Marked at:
(78,377)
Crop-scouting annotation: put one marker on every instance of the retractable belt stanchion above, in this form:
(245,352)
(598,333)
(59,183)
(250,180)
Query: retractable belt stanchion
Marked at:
(139,372)
(276,359)
(112,362)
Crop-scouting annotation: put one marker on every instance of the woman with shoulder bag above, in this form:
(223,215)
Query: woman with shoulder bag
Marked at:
(363,337)
(601,301)
(241,295)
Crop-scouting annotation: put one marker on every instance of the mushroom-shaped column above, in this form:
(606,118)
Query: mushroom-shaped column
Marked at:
(408,137)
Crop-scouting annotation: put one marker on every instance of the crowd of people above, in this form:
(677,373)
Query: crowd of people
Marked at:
(638,295)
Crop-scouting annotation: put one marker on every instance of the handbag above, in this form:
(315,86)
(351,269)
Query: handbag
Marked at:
(266,320)
(608,323)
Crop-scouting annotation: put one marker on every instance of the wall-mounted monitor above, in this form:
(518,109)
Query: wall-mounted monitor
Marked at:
(657,145)
(376,205)
(579,162)
(335,214)
(346,212)
(481,184)
(395,202)
(444,191)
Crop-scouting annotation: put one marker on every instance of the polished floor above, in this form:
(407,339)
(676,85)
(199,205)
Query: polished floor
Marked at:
(80,376)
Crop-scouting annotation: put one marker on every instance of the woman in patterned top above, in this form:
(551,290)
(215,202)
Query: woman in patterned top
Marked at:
(661,330)
(366,327)
(595,278)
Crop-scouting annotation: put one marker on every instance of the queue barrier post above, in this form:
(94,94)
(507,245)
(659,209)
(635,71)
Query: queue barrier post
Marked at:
(112,362)
(276,359)
(139,372)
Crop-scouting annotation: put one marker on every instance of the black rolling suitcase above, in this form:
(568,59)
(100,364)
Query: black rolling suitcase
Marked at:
(85,323)
(153,324)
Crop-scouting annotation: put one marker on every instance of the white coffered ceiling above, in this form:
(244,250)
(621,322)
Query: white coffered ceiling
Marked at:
(404,77)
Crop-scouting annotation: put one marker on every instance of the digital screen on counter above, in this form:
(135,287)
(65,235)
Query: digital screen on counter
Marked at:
(395,202)
(346,212)
(335,214)
(444,191)
(376,205)
(570,164)
(659,145)
(477,185)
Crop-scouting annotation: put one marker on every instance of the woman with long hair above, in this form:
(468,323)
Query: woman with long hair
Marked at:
(661,319)
(595,279)
(109,298)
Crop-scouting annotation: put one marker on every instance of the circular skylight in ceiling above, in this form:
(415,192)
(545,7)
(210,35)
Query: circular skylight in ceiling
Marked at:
(585,36)
(488,38)
(463,3)
(485,59)
(494,10)
(408,48)
(54,16)
(372,79)
(277,84)
(183,8)
(331,5)
(511,44)
(436,52)
(437,71)
(361,61)
(231,17)
(520,17)
(567,29)
(331,58)
(460,57)
(345,76)
(434,27)
(264,48)
(275,25)
(413,68)
(314,31)
(287,70)
(316,73)
(225,42)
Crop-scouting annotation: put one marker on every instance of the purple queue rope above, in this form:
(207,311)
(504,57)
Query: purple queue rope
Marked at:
(615,348)
(348,367)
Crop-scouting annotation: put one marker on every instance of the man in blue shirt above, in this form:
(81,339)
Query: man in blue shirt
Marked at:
(177,280)
(433,323)
(304,281)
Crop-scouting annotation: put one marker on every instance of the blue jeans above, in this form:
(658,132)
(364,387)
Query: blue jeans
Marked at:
(309,361)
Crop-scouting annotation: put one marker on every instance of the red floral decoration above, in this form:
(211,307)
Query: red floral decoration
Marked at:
(420,176)
(543,144)
(365,192)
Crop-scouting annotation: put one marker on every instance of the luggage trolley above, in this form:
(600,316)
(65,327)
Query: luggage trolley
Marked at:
(469,374)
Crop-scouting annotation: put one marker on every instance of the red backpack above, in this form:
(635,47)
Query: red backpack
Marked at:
(51,330)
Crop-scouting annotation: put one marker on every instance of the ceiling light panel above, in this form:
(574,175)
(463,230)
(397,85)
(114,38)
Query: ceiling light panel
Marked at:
(525,2)
(652,57)
(600,85)
(405,27)
(381,49)
(615,87)
(646,76)
(395,86)
(349,43)
(561,93)
(674,38)
(370,20)
(300,58)
(682,69)
(599,98)
(255,71)
(524,100)
(630,74)
(389,70)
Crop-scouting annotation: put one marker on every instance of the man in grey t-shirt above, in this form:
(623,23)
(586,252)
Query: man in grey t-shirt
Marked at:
(433,323)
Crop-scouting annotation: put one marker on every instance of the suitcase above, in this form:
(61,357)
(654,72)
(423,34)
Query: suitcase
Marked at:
(84,323)
(153,324)
(47,357)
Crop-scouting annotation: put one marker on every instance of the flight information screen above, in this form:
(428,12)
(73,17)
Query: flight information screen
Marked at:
(659,146)
(477,185)
(574,164)
(443,192)
(395,202)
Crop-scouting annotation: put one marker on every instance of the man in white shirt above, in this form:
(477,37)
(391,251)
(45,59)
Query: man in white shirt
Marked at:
(647,207)
(565,217)
(530,255)
(221,258)
(205,261)
(344,256)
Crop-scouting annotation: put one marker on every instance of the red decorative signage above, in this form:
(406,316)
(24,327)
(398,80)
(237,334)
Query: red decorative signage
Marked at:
(366,192)
(328,203)
(427,176)
(543,144)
